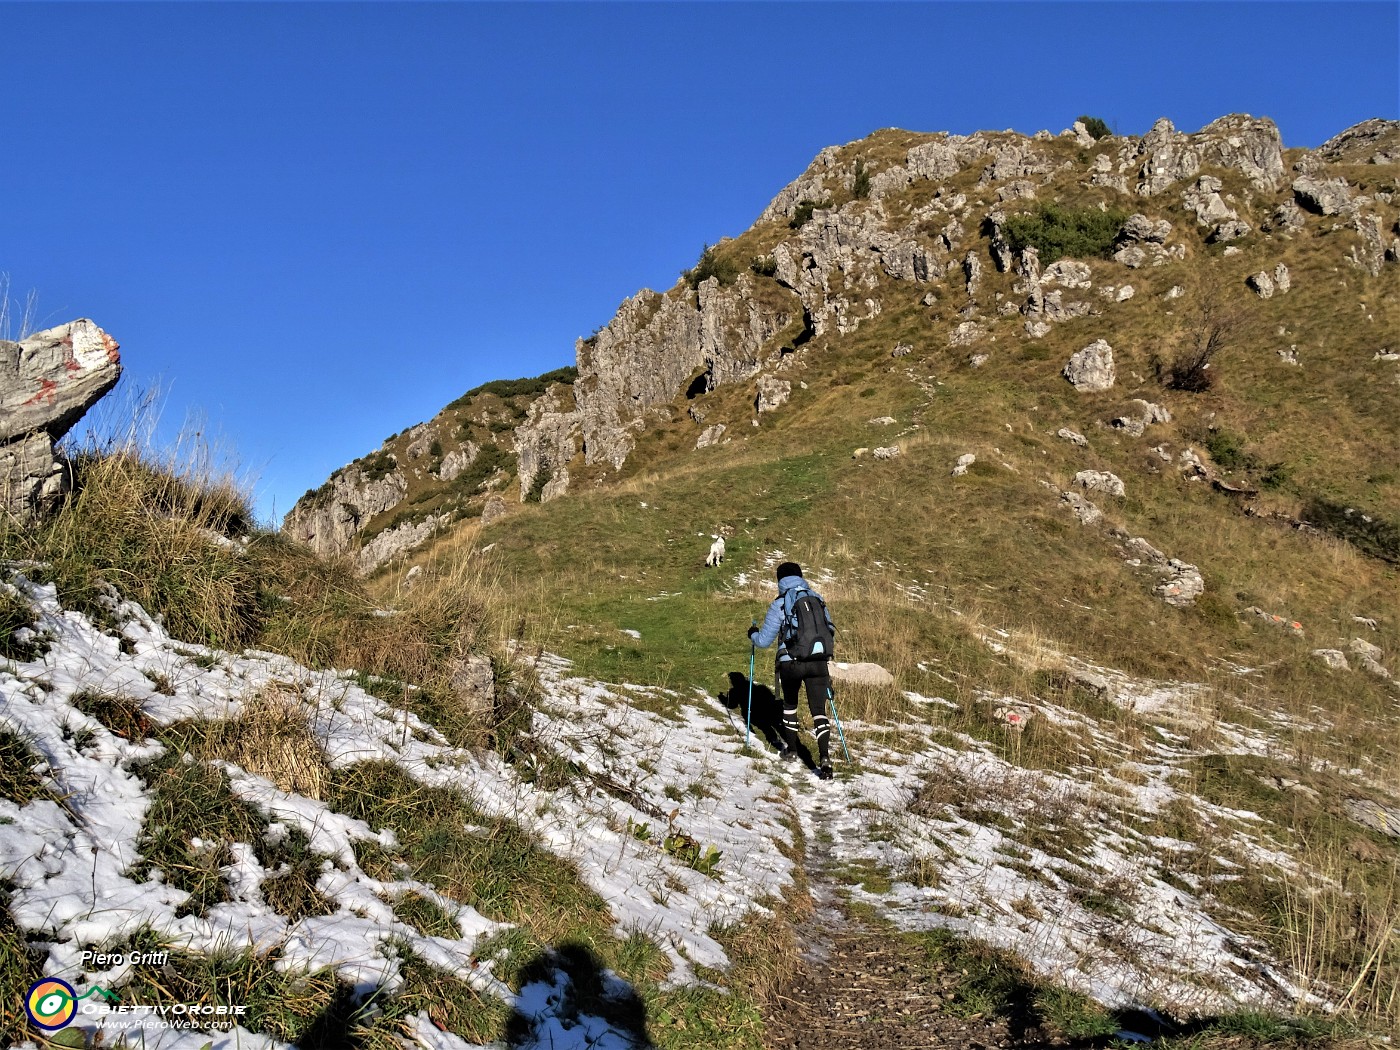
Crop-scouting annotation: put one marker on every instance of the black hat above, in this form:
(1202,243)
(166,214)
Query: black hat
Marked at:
(789,568)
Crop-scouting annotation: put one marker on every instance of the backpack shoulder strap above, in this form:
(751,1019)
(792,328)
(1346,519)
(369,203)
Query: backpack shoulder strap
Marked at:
(791,598)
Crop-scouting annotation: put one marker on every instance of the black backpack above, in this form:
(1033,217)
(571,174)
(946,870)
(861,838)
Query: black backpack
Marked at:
(807,632)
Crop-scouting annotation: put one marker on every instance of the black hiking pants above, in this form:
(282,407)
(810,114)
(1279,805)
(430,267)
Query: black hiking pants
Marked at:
(815,675)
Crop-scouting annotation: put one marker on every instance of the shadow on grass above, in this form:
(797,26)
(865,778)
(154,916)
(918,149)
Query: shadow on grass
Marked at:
(337,1026)
(569,999)
(1241,1031)
(765,716)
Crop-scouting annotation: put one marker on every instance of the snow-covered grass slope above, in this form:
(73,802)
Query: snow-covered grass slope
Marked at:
(327,858)
(656,821)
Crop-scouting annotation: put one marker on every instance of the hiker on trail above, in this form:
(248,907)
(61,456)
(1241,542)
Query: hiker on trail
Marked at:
(799,622)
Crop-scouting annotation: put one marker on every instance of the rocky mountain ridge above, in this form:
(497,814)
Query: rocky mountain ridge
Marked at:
(896,217)
(423,478)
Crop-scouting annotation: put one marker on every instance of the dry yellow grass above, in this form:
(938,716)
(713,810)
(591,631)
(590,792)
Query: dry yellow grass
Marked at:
(272,737)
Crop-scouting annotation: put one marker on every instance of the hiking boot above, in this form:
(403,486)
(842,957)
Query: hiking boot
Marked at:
(824,770)
(788,755)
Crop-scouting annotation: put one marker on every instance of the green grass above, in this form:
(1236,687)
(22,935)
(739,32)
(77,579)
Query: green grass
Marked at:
(189,801)
(314,1010)
(995,984)
(1247,1030)
(696,1018)
(121,715)
(487,863)
(1368,533)
(18,781)
(16,615)
(427,917)
(291,889)
(492,866)
(20,965)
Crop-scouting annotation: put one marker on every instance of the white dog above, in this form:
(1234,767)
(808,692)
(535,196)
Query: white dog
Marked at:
(716,554)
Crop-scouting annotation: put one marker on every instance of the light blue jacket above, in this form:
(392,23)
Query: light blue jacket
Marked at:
(779,611)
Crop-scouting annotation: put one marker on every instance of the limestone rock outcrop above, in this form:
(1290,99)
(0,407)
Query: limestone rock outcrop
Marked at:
(654,347)
(1373,141)
(390,543)
(640,360)
(1370,253)
(1086,512)
(811,185)
(1091,369)
(545,444)
(711,435)
(329,519)
(1322,196)
(1140,416)
(1100,481)
(47,381)
(1239,142)
(772,394)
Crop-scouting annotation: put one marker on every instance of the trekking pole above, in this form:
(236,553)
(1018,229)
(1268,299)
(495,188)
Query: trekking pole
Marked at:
(831,699)
(748,713)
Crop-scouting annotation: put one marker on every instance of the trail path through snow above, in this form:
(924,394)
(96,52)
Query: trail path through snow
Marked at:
(856,987)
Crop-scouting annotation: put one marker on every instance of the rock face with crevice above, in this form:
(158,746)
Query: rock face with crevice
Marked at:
(329,520)
(544,446)
(47,382)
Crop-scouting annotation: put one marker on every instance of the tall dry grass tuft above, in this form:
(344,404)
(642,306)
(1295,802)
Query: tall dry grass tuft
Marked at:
(272,738)
(12,327)
(411,643)
(1339,930)
(156,524)
(884,627)
(170,526)
(313,607)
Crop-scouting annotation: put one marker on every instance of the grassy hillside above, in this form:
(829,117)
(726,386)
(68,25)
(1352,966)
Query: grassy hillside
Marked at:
(984,590)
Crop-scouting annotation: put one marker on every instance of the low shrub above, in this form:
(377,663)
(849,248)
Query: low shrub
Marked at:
(1228,450)
(1058,232)
(378,466)
(860,183)
(711,264)
(1368,533)
(1211,322)
(527,387)
(802,214)
(1095,127)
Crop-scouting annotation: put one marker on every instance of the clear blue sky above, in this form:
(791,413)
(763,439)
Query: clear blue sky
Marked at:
(316,224)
